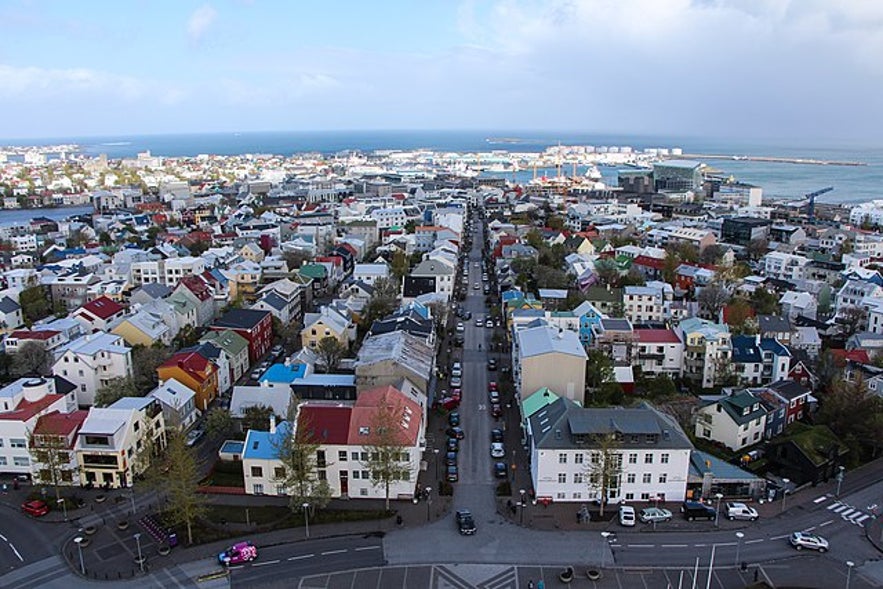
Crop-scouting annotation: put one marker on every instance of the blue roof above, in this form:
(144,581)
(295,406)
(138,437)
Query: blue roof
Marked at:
(264,445)
(769,344)
(232,447)
(283,373)
(745,349)
(702,462)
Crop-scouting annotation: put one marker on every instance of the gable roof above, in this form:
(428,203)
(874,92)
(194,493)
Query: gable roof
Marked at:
(369,403)
(241,318)
(102,307)
(545,339)
(7,305)
(325,424)
(262,445)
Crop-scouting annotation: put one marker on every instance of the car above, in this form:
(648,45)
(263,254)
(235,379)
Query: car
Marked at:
(452,475)
(264,365)
(449,403)
(456,381)
(455,394)
(496,410)
(486,289)
(484,277)
(498,323)
(492,386)
(454,418)
(500,470)
(194,436)
(736,511)
(693,510)
(455,432)
(276,350)
(494,396)
(489,323)
(801,540)
(465,522)
(475,286)
(496,435)
(452,445)
(479,322)
(492,364)
(35,508)
(654,514)
(456,369)
(238,553)
(460,327)
(256,374)
(450,458)
(626,515)
(497,450)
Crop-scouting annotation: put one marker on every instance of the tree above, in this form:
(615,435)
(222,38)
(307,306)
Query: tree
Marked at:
(184,505)
(31,358)
(218,423)
(288,333)
(764,302)
(330,352)
(603,469)
(852,320)
(757,248)
(298,452)
(145,360)
(256,417)
(386,288)
(400,265)
(295,259)
(660,385)
(116,388)
(34,304)
(383,300)
(388,458)
(52,455)
(607,271)
(599,368)
(854,414)
(188,335)
(826,371)
(712,299)
(712,254)
(739,318)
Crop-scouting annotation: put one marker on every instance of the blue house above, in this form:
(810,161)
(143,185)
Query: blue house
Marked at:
(589,316)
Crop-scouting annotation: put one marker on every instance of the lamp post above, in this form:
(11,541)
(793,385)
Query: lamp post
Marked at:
(717,511)
(78,541)
(784,493)
(306,507)
(739,536)
(849,565)
(63,507)
(140,557)
(605,535)
(436,451)
(428,501)
(522,492)
(840,470)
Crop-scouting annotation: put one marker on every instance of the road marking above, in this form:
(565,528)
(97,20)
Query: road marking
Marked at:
(16,552)
(238,566)
(821,499)
(265,563)
(783,536)
(809,529)
(301,557)
(4,538)
(726,544)
(640,545)
(327,552)
(845,514)
(615,545)
(862,518)
(673,545)
(700,545)
(754,541)
(839,508)
(827,523)
(359,549)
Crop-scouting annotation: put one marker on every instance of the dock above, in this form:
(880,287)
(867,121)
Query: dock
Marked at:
(771,159)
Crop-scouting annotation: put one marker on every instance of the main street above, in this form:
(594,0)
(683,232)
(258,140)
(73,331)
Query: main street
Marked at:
(23,540)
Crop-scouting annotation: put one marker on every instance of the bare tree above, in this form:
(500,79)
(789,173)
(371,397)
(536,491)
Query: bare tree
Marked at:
(712,299)
(31,358)
(852,320)
(388,458)
(52,454)
(298,450)
(330,352)
(184,505)
(604,469)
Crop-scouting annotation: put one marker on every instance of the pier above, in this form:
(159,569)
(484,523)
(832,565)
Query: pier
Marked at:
(771,159)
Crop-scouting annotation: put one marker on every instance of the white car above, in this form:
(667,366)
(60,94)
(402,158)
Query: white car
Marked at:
(801,540)
(460,328)
(457,369)
(497,450)
(740,511)
(626,515)
(655,514)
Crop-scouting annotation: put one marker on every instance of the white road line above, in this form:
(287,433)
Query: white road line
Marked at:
(809,529)
(301,557)
(238,566)
(862,518)
(265,563)
(673,545)
(780,537)
(827,523)
(834,505)
(359,549)
(700,545)
(640,545)
(754,541)
(4,538)
(847,513)
(615,545)
(16,552)
(842,509)
(821,499)
(726,544)
(327,552)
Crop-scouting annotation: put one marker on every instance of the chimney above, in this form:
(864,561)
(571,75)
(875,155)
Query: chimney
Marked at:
(272,424)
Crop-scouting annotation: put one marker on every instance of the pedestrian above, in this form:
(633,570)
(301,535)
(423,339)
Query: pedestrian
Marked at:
(530,584)
(541,584)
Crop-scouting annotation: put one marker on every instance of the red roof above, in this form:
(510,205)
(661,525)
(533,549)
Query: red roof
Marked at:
(649,262)
(102,307)
(333,260)
(37,335)
(193,363)
(325,424)
(60,424)
(657,336)
(842,356)
(369,403)
(197,286)
(28,409)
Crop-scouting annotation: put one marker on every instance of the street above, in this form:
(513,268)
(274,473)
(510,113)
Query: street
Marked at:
(24,540)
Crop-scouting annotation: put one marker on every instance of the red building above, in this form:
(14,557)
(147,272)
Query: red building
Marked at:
(255,326)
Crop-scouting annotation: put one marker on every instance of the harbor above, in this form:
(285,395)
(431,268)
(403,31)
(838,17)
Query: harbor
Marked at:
(772,159)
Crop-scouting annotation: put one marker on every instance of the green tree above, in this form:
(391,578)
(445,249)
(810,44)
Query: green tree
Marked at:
(34,303)
(116,388)
(400,265)
(31,358)
(218,423)
(295,259)
(603,468)
(145,361)
(298,452)
(256,417)
(52,457)
(855,415)
(288,334)
(764,302)
(330,352)
(599,368)
(387,450)
(184,505)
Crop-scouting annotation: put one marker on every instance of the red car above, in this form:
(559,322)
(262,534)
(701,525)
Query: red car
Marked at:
(492,386)
(35,508)
(496,410)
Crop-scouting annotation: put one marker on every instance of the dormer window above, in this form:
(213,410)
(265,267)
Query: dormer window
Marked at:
(364,430)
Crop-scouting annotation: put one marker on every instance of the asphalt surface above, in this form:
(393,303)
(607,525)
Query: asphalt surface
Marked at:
(24,540)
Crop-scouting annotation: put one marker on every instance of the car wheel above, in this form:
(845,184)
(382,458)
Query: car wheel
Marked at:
(754,519)
(731,518)
(823,550)
(668,519)
(799,547)
(689,519)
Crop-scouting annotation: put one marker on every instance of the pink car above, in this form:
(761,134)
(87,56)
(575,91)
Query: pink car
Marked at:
(238,553)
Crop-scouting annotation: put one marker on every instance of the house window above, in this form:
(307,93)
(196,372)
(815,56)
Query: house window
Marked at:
(258,489)
(577,495)
(560,495)
(322,475)
(562,458)
(756,435)
(341,455)
(279,472)
(578,478)
(645,496)
(648,459)
(21,461)
(663,478)
(17,443)
(257,471)
(578,458)
(562,478)
(664,458)
(2,460)
(630,478)
(629,496)
(363,492)
(354,455)
(647,478)
(633,458)
(280,490)
(320,458)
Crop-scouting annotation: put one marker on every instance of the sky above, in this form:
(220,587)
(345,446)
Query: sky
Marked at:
(792,69)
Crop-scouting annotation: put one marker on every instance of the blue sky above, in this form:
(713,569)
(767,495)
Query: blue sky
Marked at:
(768,68)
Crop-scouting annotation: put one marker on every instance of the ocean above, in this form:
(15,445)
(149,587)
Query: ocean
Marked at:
(21,216)
(778,180)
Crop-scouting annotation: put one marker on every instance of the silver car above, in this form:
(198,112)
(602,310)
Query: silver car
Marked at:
(655,514)
(801,540)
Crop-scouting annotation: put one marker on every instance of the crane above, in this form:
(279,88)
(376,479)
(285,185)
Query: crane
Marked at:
(811,208)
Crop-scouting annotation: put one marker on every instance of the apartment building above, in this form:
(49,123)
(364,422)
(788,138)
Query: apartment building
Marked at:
(91,361)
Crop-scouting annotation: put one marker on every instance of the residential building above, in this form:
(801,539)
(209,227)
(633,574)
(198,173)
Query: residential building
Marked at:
(643,304)
(234,347)
(369,273)
(54,438)
(441,271)
(198,291)
(798,304)
(388,358)
(535,349)
(10,315)
(328,322)
(707,350)
(144,328)
(735,421)
(785,266)
(100,314)
(91,362)
(178,404)
(660,351)
(49,339)
(194,370)
(744,230)
(255,326)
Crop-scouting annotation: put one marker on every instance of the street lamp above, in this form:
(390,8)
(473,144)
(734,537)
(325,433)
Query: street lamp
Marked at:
(840,470)
(605,535)
(522,493)
(435,451)
(849,565)
(739,536)
(306,507)
(78,541)
(784,493)
(428,501)
(717,511)
(140,556)
(63,507)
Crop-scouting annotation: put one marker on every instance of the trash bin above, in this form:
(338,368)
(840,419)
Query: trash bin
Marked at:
(173,539)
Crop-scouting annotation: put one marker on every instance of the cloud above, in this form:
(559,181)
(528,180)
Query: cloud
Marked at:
(200,22)
(43,83)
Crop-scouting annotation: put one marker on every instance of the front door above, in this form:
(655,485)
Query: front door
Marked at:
(344,483)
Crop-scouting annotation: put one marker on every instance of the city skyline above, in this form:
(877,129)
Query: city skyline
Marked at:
(716,68)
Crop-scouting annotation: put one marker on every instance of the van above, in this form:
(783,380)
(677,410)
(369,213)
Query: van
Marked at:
(626,515)
(694,510)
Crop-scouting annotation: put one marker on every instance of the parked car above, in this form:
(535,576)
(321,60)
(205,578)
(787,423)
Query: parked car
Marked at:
(449,403)
(456,381)
(476,286)
(654,514)
(453,475)
(238,553)
(626,515)
(496,435)
(465,522)
(801,540)
(489,323)
(256,374)
(740,511)
(500,470)
(450,458)
(479,321)
(457,370)
(194,436)
(496,410)
(497,450)
(492,364)
(494,396)
(492,386)
(455,432)
(35,508)
(277,349)
(454,418)
(693,510)
(460,327)
(453,445)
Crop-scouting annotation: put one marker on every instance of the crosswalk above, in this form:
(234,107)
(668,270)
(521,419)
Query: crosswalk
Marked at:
(849,513)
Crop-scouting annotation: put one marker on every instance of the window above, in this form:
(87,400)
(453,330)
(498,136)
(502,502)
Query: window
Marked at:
(364,457)
(21,461)
(630,478)
(257,471)
(663,458)
(320,458)
(560,495)
(322,475)
(280,489)
(341,455)
(578,458)
(648,458)
(83,388)
(577,478)
(562,477)
(633,458)
(258,489)
(646,478)
(17,443)
(663,478)
(577,495)
(363,492)
(366,476)
(1,442)
(354,455)
(279,473)
(2,460)
(355,474)
(629,496)
(645,496)
(562,458)
(137,426)
(756,435)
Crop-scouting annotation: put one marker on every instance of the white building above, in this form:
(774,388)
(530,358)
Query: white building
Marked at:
(652,452)
(735,421)
(642,304)
(785,266)
(178,404)
(660,351)
(867,212)
(443,273)
(91,361)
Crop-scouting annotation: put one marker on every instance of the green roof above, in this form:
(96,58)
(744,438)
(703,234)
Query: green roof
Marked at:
(313,270)
(815,441)
(226,339)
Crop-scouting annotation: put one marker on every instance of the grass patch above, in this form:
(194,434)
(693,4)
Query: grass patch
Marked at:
(225,474)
